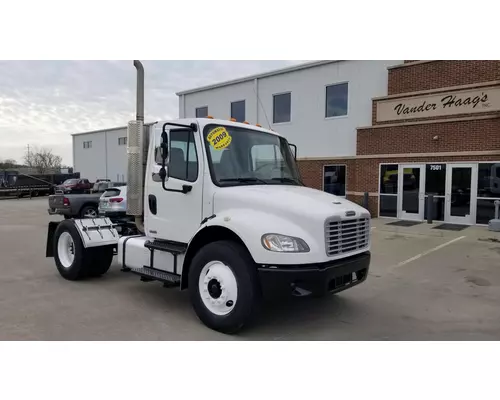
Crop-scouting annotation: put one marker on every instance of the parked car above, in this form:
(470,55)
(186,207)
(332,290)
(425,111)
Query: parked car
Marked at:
(78,205)
(113,202)
(74,186)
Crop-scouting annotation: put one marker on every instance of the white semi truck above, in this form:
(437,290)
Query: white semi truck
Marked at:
(219,210)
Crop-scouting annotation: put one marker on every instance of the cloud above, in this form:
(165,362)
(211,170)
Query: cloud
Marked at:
(43,102)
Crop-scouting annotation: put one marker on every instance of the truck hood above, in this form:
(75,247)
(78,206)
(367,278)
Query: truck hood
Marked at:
(297,202)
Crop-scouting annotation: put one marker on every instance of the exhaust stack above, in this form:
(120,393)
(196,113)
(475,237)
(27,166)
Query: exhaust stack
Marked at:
(135,154)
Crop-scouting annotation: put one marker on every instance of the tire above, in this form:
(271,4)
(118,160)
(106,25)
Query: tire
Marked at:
(101,260)
(89,212)
(74,267)
(233,267)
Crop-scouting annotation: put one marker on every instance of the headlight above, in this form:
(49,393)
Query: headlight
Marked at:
(284,244)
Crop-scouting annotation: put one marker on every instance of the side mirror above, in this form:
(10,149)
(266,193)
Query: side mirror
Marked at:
(164,153)
(294,150)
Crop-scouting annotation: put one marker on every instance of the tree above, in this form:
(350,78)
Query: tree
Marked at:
(7,163)
(42,159)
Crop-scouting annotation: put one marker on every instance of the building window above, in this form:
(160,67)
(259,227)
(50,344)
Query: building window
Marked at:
(488,190)
(238,110)
(336,100)
(282,108)
(388,198)
(87,145)
(488,184)
(389,179)
(122,141)
(183,164)
(334,179)
(202,112)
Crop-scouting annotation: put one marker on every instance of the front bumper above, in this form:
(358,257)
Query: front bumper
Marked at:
(316,279)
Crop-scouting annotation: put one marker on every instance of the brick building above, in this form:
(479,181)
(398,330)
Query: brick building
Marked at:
(399,130)
(436,131)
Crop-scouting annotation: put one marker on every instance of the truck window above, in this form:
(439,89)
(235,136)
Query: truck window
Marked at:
(265,154)
(252,156)
(183,159)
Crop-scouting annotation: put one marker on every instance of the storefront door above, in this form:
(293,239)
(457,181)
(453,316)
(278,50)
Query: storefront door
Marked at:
(411,198)
(461,191)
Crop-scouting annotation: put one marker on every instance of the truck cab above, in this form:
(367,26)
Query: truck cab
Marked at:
(223,214)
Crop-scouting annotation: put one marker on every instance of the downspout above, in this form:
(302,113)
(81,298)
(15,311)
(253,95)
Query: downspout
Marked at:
(256,90)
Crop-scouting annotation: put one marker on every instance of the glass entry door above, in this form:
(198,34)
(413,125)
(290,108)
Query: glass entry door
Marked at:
(461,188)
(411,198)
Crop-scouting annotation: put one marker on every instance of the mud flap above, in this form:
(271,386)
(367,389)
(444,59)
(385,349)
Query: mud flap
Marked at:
(49,251)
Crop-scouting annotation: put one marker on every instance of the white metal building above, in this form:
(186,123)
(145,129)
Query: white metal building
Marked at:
(317,105)
(101,154)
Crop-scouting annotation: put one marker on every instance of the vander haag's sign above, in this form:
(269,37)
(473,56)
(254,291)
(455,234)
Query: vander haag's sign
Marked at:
(442,104)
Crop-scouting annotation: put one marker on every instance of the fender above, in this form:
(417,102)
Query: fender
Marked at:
(250,224)
(247,227)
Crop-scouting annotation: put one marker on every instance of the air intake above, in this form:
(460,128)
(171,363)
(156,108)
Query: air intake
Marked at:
(135,181)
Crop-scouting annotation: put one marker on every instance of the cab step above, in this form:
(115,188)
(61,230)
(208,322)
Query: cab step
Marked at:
(163,245)
(151,274)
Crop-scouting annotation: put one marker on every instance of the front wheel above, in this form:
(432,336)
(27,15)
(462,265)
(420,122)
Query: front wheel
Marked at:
(224,288)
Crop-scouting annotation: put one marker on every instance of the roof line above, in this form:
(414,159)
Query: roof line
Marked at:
(109,129)
(258,76)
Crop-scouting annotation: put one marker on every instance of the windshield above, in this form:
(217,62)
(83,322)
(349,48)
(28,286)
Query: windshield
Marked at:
(240,156)
(70,182)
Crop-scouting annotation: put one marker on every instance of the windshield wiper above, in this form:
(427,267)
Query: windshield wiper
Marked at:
(244,180)
(288,180)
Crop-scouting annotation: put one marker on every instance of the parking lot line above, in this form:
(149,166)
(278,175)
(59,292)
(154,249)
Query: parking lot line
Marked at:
(409,260)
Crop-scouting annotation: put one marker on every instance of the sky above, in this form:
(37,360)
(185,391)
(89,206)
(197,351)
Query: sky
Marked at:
(43,102)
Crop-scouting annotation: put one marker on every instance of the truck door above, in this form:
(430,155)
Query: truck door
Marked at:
(173,215)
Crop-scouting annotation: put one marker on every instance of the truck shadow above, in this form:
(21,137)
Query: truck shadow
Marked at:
(281,318)
(292,318)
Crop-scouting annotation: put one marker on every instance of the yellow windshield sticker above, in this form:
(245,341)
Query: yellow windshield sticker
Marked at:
(219,138)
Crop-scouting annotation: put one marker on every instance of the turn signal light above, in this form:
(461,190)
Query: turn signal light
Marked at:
(246,122)
(209,117)
(233,120)
(259,125)
(116,200)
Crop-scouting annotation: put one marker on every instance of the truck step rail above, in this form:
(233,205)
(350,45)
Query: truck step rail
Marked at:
(150,274)
(163,245)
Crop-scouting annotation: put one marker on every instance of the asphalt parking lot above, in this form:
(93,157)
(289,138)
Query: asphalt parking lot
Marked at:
(424,284)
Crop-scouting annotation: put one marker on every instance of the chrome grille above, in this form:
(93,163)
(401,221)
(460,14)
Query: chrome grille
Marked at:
(347,235)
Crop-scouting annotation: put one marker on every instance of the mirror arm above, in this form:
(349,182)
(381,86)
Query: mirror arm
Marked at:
(164,146)
(295,150)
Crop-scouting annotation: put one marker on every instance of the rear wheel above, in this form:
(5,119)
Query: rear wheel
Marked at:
(74,261)
(223,286)
(101,260)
